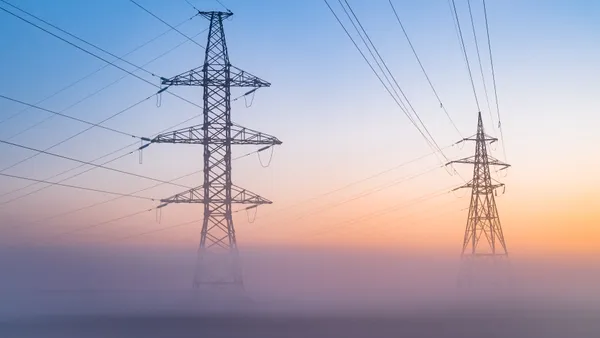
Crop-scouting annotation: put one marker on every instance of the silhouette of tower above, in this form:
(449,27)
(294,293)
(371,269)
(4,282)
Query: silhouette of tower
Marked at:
(218,258)
(483,239)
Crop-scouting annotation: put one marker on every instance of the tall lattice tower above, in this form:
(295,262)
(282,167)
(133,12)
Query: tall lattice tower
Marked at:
(218,258)
(483,219)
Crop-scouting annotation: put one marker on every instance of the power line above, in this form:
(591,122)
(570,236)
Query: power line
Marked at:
(370,192)
(384,211)
(352,221)
(60,181)
(378,226)
(479,60)
(77,134)
(81,132)
(89,163)
(391,74)
(69,34)
(429,142)
(76,187)
(430,214)
(109,154)
(72,84)
(162,229)
(99,158)
(74,168)
(158,230)
(222,5)
(423,69)
(487,29)
(454,22)
(97,91)
(353,183)
(464,49)
(166,23)
(70,117)
(112,199)
(194,7)
(93,54)
(354,198)
(371,48)
(101,223)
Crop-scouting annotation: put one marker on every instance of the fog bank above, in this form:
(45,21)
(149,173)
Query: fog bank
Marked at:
(78,280)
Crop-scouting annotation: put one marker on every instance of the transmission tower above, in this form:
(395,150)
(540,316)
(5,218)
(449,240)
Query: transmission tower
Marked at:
(483,220)
(218,257)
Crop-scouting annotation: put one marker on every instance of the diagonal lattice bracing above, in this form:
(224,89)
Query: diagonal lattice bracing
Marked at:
(483,236)
(218,261)
(195,135)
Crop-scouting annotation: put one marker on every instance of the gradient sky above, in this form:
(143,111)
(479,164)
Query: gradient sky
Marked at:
(337,123)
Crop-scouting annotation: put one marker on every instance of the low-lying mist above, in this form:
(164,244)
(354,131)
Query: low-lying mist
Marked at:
(92,280)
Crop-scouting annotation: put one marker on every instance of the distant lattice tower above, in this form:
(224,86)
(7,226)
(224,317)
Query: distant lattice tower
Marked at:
(484,246)
(218,258)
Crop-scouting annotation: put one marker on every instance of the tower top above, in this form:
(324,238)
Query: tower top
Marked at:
(209,15)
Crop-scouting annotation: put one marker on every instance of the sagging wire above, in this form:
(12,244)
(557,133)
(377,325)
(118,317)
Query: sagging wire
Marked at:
(250,219)
(494,146)
(253,218)
(248,105)
(270,156)
(461,144)
(457,196)
(452,171)
(505,170)
(253,92)
(503,190)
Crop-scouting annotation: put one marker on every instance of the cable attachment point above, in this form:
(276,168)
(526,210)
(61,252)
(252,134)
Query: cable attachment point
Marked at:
(248,105)
(504,170)
(253,218)
(458,196)
(270,156)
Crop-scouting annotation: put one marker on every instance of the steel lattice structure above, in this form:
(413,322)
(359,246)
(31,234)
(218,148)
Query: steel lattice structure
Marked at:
(483,219)
(217,134)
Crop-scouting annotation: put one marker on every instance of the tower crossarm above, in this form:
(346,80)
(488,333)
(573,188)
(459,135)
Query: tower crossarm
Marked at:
(485,138)
(476,161)
(196,195)
(195,135)
(483,189)
(195,77)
